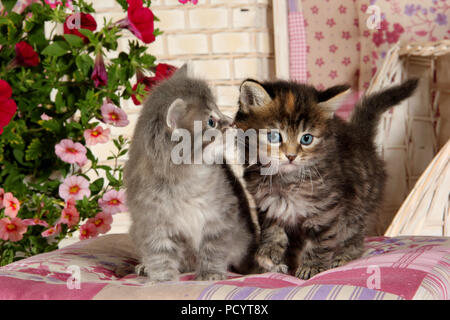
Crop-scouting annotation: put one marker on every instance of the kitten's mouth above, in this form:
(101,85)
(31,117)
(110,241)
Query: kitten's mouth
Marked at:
(286,167)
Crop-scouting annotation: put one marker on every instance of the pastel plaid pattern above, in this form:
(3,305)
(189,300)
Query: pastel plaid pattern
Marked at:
(408,268)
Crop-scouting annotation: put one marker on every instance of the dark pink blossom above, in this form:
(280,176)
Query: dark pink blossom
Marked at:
(99,74)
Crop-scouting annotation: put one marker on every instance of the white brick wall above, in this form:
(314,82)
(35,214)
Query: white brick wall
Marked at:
(208,18)
(224,41)
(187,44)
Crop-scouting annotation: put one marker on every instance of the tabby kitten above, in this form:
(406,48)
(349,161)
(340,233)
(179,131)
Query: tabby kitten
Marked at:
(185,217)
(316,207)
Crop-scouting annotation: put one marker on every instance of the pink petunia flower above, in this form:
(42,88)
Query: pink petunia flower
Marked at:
(35,222)
(75,187)
(71,152)
(53,4)
(114,115)
(113,202)
(186,1)
(2,194)
(70,214)
(96,135)
(11,205)
(52,231)
(88,230)
(102,222)
(45,117)
(12,229)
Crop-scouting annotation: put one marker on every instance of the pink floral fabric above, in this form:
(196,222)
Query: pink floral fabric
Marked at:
(391,268)
(401,20)
(341,48)
(332,33)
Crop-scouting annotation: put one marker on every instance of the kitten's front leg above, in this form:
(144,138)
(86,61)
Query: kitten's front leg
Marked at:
(318,251)
(271,251)
(314,259)
(213,253)
(160,259)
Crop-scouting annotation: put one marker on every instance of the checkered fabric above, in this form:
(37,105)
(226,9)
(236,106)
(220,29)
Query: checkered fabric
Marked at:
(297,46)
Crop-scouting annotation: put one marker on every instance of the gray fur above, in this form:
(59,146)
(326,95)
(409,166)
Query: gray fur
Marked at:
(185,217)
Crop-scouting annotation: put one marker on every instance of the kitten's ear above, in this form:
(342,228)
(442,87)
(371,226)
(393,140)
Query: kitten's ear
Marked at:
(332,98)
(252,94)
(182,71)
(176,111)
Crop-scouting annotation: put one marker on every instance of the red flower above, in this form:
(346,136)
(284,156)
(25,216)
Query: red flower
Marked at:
(99,74)
(140,21)
(79,21)
(5,90)
(163,71)
(149,82)
(25,55)
(7,106)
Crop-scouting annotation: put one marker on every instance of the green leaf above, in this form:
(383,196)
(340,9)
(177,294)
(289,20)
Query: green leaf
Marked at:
(73,40)
(51,125)
(97,185)
(34,150)
(123,4)
(59,103)
(18,154)
(89,34)
(56,49)
(9,4)
(113,181)
(85,63)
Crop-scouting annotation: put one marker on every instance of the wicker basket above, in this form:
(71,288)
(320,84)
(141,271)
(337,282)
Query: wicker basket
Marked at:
(426,211)
(411,135)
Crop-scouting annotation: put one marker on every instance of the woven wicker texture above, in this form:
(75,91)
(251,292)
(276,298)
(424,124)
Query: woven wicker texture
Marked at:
(426,210)
(411,134)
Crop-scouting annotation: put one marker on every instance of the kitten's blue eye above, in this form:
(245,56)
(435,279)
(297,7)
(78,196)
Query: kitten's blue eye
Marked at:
(306,139)
(274,137)
(211,122)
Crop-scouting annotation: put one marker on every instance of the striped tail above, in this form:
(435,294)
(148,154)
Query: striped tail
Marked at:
(368,111)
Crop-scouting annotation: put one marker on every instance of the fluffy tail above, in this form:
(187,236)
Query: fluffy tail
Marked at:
(368,111)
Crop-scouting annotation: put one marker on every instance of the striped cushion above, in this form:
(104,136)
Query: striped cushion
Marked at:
(391,268)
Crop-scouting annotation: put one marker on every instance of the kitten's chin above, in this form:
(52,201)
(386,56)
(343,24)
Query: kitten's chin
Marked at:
(287,168)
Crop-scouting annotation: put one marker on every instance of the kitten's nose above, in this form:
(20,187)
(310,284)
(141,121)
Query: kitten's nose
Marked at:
(291,157)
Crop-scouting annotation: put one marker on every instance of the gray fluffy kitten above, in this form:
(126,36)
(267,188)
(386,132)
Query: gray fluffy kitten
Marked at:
(186,217)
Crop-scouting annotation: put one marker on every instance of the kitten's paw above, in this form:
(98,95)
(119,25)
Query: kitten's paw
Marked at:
(268,256)
(140,269)
(210,276)
(307,272)
(279,268)
(340,262)
(156,276)
(167,275)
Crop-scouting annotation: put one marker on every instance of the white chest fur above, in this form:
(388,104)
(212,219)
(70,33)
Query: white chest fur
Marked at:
(283,205)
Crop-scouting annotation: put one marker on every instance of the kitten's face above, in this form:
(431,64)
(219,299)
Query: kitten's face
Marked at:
(205,123)
(294,122)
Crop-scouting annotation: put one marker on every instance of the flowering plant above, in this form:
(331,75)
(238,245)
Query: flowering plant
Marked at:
(59,96)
